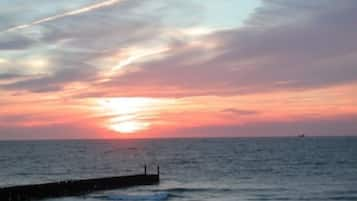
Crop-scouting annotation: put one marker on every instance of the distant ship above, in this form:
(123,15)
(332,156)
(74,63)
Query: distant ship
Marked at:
(301,135)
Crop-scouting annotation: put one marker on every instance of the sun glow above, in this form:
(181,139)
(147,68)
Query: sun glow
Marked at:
(35,64)
(3,61)
(129,126)
(128,115)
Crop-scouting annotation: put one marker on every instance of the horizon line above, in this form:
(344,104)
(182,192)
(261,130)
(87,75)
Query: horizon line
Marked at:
(172,138)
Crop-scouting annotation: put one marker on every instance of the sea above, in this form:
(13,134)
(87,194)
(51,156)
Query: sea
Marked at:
(199,169)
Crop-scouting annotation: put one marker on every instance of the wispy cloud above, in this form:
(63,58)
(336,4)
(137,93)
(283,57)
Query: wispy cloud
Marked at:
(258,57)
(66,14)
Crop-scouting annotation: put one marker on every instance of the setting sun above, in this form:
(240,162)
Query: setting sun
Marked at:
(128,115)
(129,126)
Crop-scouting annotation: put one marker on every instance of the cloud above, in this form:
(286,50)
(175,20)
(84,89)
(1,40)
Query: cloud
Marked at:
(77,50)
(13,119)
(330,126)
(15,42)
(6,76)
(306,51)
(82,49)
(55,81)
(239,112)
(275,50)
(53,131)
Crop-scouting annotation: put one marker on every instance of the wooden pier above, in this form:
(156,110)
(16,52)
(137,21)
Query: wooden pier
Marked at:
(75,187)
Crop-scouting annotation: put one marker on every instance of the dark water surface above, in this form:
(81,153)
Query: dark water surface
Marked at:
(255,169)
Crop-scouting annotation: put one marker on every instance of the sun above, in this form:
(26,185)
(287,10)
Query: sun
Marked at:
(127,115)
(129,126)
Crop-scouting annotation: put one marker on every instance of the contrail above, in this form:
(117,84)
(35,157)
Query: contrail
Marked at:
(69,13)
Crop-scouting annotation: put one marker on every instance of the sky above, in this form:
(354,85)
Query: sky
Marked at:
(173,68)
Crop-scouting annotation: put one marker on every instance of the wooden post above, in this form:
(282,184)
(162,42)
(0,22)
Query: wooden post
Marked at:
(158,170)
(145,170)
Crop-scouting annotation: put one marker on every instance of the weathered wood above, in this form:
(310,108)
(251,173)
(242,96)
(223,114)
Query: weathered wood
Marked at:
(73,187)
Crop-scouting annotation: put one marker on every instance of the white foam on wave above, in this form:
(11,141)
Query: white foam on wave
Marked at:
(147,197)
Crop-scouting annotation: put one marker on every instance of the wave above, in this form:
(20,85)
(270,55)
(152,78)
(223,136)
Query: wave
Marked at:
(220,190)
(149,197)
(182,190)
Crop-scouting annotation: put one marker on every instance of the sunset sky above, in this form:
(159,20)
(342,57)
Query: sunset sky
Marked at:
(174,68)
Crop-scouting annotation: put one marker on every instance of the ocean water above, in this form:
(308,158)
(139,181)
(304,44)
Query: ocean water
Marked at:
(239,169)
